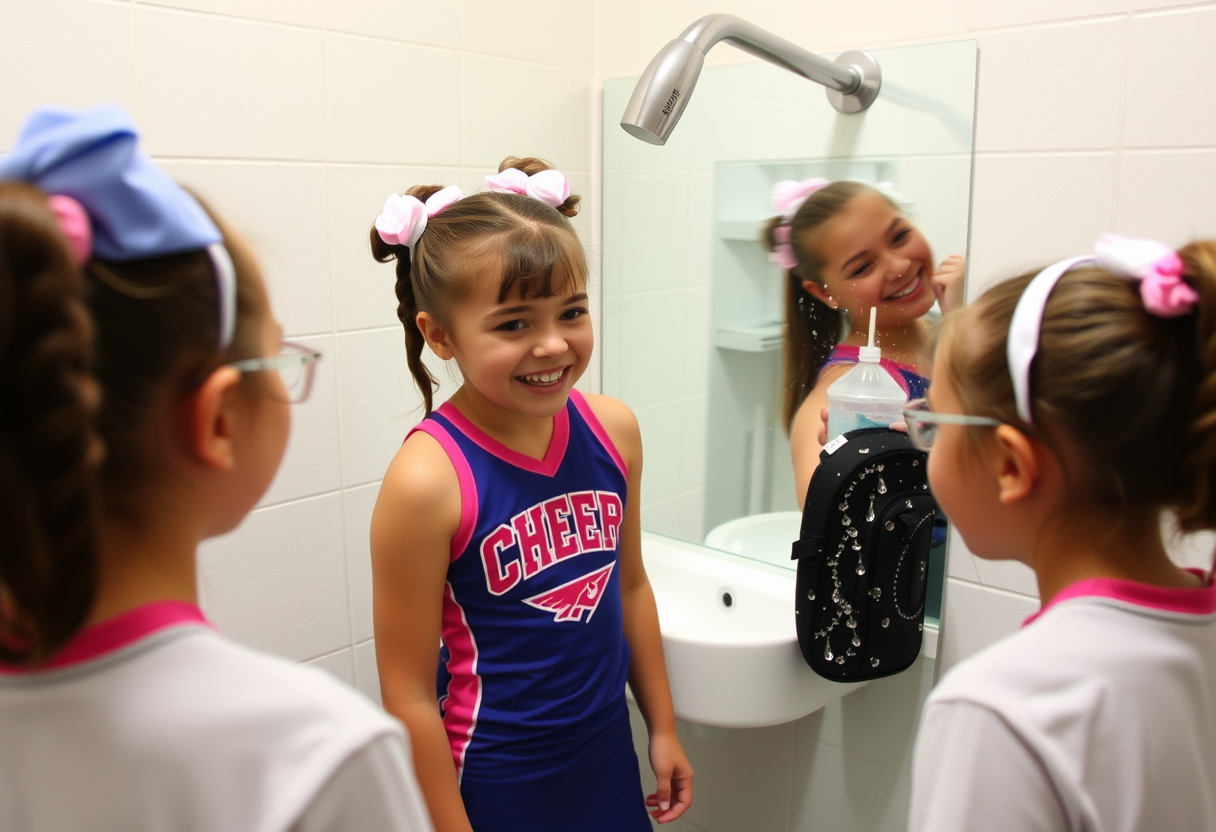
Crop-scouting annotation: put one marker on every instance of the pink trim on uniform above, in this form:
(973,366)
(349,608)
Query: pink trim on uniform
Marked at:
(847,354)
(597,428)
(464,474)
(463,701)
(118,632)
(1197,601)
(547,466)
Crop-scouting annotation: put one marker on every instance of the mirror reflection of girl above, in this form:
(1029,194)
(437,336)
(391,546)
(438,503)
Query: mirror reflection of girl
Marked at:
(849,248)
(1062,424)
(508,525)
(142,410)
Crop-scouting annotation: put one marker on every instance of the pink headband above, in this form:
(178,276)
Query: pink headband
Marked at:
(549,186)
(1162,289)
(74,223)
(403,218)
(787,197)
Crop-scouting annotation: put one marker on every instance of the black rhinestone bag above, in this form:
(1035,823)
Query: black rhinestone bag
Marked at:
(863,557)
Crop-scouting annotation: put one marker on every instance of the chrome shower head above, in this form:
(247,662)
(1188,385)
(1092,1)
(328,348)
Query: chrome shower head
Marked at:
(663,91)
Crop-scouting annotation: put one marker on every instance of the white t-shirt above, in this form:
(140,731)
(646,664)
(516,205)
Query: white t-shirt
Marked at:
(153,721)
(1098,716)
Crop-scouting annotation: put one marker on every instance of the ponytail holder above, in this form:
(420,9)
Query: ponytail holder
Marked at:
(1162,290)
(549,186)
(74,223)
(403,218)
(787,197)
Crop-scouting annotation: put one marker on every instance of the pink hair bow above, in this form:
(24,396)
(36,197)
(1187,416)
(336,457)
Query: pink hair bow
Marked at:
(783,253)
(403,218)
(788,195)
(1156,266)
(74,223)
(549,186)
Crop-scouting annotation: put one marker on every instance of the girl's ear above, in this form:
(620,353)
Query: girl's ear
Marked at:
(436,336)
(208,419)
(1017,464)
(818,292)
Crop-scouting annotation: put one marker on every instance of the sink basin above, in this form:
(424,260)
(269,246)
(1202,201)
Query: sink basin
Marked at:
(729,638)
(764,537)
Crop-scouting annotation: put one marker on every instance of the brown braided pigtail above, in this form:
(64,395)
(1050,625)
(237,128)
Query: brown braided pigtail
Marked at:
(49,451)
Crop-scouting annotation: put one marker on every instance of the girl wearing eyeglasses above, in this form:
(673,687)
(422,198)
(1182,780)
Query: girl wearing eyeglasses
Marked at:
(144,406)
(1071,411)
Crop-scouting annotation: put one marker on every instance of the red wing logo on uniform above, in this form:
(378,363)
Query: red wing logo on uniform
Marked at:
(569,601)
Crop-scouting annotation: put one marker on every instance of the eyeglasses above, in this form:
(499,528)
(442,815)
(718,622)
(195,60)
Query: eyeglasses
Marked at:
(296,365)
(922,423)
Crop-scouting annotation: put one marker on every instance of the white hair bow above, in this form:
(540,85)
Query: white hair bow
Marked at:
(403,218)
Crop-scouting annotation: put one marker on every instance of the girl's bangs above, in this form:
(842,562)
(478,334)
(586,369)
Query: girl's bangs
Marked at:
(541,263)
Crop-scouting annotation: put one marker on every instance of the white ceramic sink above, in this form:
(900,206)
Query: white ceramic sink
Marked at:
(764,537)
(729,638)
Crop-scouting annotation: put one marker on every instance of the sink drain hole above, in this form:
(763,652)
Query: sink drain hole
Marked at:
(726,598)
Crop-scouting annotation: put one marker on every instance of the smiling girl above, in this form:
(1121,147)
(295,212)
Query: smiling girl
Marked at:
(849,248)
(507,525)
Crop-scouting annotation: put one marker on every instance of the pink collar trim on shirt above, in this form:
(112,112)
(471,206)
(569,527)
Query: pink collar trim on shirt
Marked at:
(547,466)
(118,632)
(1198,601)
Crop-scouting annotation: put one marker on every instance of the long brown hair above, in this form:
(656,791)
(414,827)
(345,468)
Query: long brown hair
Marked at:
(1132,395)
(812,328)
(531,246)
(90,361)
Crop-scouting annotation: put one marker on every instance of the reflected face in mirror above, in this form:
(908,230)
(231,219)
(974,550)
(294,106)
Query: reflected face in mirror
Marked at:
(872,256)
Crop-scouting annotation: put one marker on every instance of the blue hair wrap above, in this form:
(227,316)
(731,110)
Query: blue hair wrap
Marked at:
(135,209)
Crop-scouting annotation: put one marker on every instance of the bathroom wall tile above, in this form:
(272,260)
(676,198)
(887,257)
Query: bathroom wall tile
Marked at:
(661,426)
(312,464)
(960,562)
(836,790)
(877,722)
(1009,575)
(357,505)
(496,122)
(611,346)
(655,255)
(297,12)
(743,777)
(699,220)
(366,122)
(1181,113)
(654,340)
(681,515)
(430,24)
(263,83)
(367,675)
(698,340)
(278,583)
(1188,550)
(68,53)
(341,665)
(378,403)
(694,427)
(280,211)
(1031,210)
(1066,97)
(1167,196)
(884,21)
(538,31)
(976,617)
(991,14)
(364,294)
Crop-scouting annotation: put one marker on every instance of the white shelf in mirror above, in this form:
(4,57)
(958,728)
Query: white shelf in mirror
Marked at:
(765,337)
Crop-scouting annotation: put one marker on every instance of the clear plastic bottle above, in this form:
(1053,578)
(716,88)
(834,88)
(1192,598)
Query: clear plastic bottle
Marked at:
(866,396)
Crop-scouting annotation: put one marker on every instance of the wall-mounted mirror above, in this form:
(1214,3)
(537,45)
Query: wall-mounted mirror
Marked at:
(692,305)
(691,341)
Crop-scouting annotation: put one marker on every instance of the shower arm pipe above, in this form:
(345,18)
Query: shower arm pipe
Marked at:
(662,92)
(715,28)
